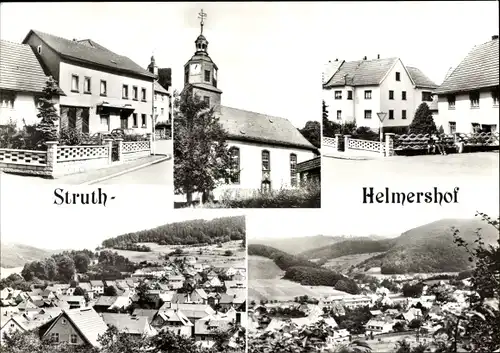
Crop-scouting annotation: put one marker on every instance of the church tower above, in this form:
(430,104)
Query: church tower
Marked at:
(200,72)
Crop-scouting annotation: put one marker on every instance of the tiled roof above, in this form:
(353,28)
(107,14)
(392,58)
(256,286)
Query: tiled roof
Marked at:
(88,322)
(105,301)
(90,52)
(419,78)
(20,70)
(309,164)
(208,324)
(330,69)
(361,72)
(126,323)
(149,313)
(478,70)
(250,126)
(175,316)
(159,88)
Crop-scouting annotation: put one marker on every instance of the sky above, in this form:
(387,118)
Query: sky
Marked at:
(431,35)
(33,219)
(264,55)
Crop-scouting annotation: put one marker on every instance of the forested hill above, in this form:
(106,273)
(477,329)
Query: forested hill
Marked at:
(350,247)
(186,233)
(303,271)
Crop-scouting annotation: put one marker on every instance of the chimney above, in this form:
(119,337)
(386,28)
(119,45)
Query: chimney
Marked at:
(364,57)
(378,56)
(495,37)
(336,59)
(74,40)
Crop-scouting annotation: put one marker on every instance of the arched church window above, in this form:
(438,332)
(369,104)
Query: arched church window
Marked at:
(234,153)
(266,160)
(293,169)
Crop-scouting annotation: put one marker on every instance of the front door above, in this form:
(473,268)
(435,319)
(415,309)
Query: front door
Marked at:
(124,121)
(104,122)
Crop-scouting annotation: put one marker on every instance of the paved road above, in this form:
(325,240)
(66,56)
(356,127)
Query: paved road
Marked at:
(156,174)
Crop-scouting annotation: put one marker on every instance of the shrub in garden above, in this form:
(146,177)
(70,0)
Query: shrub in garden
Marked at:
(423,122)
(26,138)
(47,111)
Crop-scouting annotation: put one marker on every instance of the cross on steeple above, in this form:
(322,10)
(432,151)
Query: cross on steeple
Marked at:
(202,15)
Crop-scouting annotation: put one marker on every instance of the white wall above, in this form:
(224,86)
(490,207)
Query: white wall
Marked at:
(162,101)
(362,104)
(24,108)
(114,84)
(463,115)
(397,104)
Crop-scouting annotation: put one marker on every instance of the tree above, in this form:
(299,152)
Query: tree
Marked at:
(228,253)
(399,326)
(168,342)
(413,290)
(200,149)
(312,132)
(47,111)
(477,328)
(65,268)
(328,129)
(113,341)
(423,122)
(82,262)
(110,291)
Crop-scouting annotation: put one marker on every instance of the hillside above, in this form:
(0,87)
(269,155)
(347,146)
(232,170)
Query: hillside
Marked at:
(297,245)
(260,267)
(16,255)
(430,248)
(191,232)
(350,247)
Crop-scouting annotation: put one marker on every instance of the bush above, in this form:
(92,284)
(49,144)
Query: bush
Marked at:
(71,137)
(308,196)
(228,253)
(27,138)
(134,137)
(365,133)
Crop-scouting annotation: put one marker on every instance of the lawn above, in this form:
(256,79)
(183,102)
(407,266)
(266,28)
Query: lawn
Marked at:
(206,254)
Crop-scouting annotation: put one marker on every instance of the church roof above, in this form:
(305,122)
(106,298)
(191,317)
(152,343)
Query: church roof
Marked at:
(244,125)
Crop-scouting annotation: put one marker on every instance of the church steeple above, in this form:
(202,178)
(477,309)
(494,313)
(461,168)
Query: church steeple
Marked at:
(200,72)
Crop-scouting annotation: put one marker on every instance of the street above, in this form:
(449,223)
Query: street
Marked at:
(158,174)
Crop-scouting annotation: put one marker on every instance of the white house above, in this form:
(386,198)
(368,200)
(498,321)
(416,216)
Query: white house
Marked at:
(104,90)
(380,325)
(359,89)
(22,80)
(468,97)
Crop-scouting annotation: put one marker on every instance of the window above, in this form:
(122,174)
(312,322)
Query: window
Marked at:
(391,94)
(39,49)
(64,321)
(7,99)
(207,75)
(338,94)
(54,337)
(391,114)
(474,99)
(162,111)
(135,93)
(143,94)
(451,102)
(339,114)
(293,169)
(235,164)
(12,325)
(368,94)
(206,100)
(103,88)
(349,95)
(452,126)
(86,85)
(134,119)
(368,114)
(105,121)
(74,83)
(398,76)
(403,114)
(74,339)
(403,95)
(72,125)
(143,120)
(494,97)
(125,92)
(266,161)
(162,97)
(426,96)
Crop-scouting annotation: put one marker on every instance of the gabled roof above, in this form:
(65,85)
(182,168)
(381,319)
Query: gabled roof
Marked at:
(361,72)
(244,125)
(106,300)
(419,78)
(478,70)
(173,315)
(148,313)
(330,69)
(159,88)
(90,52)
(127,323)
(20,69)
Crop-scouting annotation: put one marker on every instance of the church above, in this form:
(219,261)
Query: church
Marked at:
(265,150)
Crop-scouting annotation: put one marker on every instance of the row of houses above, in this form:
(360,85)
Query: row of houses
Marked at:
(98,90)
(466,101)
(173,297)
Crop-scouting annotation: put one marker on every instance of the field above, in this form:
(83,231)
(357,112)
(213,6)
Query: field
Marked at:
(265,283)
(206,254)
(343,263)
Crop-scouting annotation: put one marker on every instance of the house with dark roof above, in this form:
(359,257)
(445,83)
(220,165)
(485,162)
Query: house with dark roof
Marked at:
(264,149)
(175,321)
(162,109)
(358,90)
(22,80)
(468,97)
(104,90)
